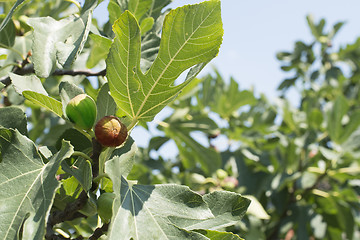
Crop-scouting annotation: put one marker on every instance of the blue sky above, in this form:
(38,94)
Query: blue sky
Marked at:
(254,31)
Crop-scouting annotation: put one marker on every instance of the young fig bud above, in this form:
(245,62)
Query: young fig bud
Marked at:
(81,110)
(110,131)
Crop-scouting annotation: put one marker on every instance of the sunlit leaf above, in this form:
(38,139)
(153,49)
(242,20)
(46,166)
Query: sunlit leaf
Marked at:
(191,35)
(44,101)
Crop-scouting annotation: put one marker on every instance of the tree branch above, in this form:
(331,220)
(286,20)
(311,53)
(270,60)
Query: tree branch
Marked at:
(29,68)
(69,213)
(61,72)
(99,232)
(97,148)
(21,69)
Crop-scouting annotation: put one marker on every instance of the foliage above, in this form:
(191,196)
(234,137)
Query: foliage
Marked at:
(54,173)
(299,164)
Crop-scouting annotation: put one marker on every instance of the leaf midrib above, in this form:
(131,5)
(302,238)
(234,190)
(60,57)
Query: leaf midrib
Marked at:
(167,66)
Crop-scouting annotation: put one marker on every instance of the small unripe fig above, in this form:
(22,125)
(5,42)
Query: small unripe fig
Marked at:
(81,110)
(110,131)
(104,206)
(221,174)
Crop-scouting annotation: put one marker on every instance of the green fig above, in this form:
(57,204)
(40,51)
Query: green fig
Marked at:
(105,205)
(110,131)
(81,110)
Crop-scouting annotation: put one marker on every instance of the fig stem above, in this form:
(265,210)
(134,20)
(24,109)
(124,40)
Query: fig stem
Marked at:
(91,133)
(81,154)
(86,134)
(132,124)
(100,176)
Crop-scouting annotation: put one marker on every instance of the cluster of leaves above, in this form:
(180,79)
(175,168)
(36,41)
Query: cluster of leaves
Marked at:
(53,174)
(299,165)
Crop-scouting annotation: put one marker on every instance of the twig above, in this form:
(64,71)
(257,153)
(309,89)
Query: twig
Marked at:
(99,232)
(21,69)
(61,72)
(69,213)
(58,72)
(97,148)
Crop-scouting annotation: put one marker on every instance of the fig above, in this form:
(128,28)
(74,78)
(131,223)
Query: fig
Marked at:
(105,205)
(110,131)
(81,110)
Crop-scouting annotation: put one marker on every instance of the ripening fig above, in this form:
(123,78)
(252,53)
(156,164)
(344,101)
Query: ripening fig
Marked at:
(110,131)
(81,110)
(104,206)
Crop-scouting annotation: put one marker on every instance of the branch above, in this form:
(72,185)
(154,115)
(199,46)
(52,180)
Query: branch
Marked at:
(27,69)
(97,148)
(69,213)
(61,72)
(21,69)
(99,232)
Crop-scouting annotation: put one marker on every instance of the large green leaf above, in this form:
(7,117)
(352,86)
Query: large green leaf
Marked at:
(27,185)
(191,35)
(170,211)
(141,212)
(165,211)
(58,42)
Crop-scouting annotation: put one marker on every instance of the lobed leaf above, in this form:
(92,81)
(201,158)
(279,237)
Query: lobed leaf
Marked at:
(141,212)
(191,35)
